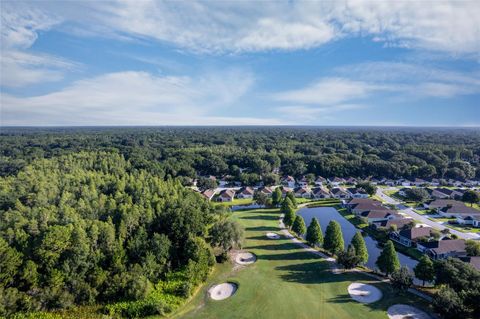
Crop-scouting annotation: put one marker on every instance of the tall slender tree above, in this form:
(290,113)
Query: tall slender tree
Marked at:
(360,247)
(288,212)
(299,226)
(314,233)
(276,196)
(388,261)
(424,270)
(334,238)
(292,198)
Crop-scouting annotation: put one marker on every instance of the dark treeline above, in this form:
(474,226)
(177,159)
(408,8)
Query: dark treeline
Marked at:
(89,228)
(185,152)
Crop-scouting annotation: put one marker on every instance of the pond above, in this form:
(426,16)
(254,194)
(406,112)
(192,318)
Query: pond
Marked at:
(326,214)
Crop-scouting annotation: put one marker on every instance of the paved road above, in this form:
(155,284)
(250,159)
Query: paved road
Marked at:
(410,212)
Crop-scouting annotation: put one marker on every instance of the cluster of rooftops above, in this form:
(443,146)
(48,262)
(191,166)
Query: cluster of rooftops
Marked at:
(403,230)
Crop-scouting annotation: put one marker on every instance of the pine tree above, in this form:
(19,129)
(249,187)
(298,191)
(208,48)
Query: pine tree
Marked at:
(292,198)
(360,247)
(388,261)
(314,233)
(288,212)
(348,259)
(299,226)
(424,269)
(276,196)
(334,238)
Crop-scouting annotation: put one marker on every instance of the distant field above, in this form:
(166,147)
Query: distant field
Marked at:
(286,282)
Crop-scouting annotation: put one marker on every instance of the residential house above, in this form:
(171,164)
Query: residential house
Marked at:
(320,192)
(443,193)
(226,195)
(390,182)
(351,181)
(303,182)
(434,182)
(452,182)
(442,249)
(357,192)
(409,237)
(374,216)
(224,181)
(285,190)
(320,181)
(288,181)
(472,260)
(245,192)
(398,223)
(208,193)
(404,182)
(419,182)
(336,181)
(441,203)
(472,183)
(376,181)
(359,205)
(303,192)
(266,190)
(458,210)
(340,193)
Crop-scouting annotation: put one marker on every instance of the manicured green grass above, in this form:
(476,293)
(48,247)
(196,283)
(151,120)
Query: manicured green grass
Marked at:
(236,201)
(286,282)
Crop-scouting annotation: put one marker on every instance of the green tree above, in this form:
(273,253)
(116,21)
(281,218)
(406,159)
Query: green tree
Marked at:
(348,259)
(388,261)
(368,187)
(288,212)
(314,233)
(10,261)
(401,279)
(226,234)
(277,196)
(471,197)
(333,241)
(472,247)
(449,304)
(360,247)
(260,198)
(299,226)
(291,196)
(424,270)
(417,194)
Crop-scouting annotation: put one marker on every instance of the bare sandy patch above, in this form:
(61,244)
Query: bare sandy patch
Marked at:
(406,312)
(364,293)
(272,236)
(245,258)
(222,291)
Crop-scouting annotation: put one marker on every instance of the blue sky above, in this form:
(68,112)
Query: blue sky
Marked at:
(240,63)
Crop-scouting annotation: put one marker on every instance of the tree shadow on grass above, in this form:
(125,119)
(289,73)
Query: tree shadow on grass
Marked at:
(283,246)
(308,272)
(298,255)
(262,228)
(261,217)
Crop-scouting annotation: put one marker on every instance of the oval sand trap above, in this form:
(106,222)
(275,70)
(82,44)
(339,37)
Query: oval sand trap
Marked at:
(364,293)
(406,312)
(273,236)
(245,258)
(222,291)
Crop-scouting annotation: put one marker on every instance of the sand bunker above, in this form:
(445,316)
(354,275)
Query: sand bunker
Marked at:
(245,258)
(273,236)
(222,291)
(364,293)
(406,312)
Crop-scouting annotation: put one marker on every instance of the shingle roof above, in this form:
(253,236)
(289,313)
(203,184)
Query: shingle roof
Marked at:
(415,232)
(446,245)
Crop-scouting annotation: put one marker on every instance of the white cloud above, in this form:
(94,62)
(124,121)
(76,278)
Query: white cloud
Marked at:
(20,27)
(328,91)
(313,114)
(214,26)
(135,98)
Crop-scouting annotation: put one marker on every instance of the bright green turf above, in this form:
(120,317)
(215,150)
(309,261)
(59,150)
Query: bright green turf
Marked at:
(285,282)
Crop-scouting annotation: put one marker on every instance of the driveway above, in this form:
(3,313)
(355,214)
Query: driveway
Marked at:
(423,219)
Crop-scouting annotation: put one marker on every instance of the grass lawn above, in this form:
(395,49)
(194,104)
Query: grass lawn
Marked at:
(236,201)
(286,282)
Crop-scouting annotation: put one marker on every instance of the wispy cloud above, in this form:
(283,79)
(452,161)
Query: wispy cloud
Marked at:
(134,98)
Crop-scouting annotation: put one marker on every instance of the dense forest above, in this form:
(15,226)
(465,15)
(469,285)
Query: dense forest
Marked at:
(88,228)
(251,154)
(100,216)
